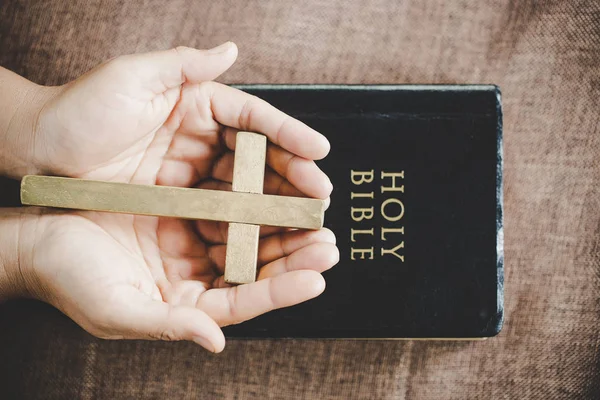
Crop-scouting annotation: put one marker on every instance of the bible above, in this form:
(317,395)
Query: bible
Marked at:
(416,209)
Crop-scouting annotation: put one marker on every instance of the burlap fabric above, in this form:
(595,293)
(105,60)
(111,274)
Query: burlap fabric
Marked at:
(544,55)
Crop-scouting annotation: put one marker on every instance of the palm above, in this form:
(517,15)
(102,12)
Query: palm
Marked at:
(170,260)
(173,138)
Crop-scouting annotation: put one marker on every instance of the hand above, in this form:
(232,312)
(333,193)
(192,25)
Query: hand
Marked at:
(157,118)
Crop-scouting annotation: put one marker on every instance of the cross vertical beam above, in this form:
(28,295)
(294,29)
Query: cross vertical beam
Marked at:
(242,239)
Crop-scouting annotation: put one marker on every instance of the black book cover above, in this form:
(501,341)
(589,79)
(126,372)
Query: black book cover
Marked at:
(416,208)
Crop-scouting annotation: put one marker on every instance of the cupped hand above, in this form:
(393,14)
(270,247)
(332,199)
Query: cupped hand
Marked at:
(158,118)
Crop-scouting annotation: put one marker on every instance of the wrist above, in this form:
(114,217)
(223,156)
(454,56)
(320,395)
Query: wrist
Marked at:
(18,234)
(22,106)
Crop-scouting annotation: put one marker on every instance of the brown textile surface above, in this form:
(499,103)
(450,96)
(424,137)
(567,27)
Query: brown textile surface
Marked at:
(546,58)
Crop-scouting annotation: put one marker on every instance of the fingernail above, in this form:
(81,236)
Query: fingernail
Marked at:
(320,286)
(329,185)
(220,49)
(331,238)
(327,143)
(204,343)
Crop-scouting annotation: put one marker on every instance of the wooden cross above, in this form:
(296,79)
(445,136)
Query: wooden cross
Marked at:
(245,208)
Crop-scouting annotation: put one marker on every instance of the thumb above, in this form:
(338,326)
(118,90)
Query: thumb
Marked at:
(163,70)
(153,319)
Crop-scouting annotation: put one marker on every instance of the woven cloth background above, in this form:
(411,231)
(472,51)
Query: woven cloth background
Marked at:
(546,58)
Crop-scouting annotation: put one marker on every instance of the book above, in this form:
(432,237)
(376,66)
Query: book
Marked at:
(416,209)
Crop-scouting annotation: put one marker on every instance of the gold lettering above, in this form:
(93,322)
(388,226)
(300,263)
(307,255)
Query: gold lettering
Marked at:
(362,253)
(393,251)
(390,182)
(365,176)
(397,217)
(360,232)
(391,230)
(365,213)
(392,175)
(362,195)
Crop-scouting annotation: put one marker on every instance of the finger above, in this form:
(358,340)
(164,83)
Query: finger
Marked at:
(213,232)
(177,238)
(277,185)
(317,257)
(144,318)
(236,304)
(274,183)
(163,70)
(189,157)
(275,246)
(223,167)
(177,173)
(304,174)
(212,184)
(182,252)
(237,109)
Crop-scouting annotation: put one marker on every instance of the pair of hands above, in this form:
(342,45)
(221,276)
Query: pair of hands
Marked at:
(158,118)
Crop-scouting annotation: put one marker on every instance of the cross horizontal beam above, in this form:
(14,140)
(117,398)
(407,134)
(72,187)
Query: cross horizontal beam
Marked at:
(167,201)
